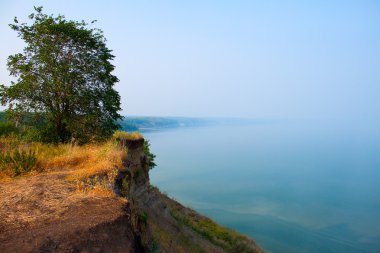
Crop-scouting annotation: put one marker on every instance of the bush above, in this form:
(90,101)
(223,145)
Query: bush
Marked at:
(150,156)
(7,128)
(18,161)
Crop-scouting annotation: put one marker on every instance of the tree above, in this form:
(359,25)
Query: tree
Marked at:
(64,75)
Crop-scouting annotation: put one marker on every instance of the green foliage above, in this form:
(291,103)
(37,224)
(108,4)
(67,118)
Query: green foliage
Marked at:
(150,156)
(226,238)
(64,79)
(29,131)
(143,218)
(7,128)
(155,246)
(18,161)
(137,174)
(125,186)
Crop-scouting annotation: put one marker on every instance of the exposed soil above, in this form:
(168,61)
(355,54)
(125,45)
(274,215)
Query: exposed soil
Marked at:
(45,213)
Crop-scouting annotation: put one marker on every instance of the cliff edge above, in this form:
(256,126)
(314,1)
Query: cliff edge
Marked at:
(47,213)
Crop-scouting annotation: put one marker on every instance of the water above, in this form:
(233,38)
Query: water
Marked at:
(294,187)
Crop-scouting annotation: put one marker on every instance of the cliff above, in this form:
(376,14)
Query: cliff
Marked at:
(47,213)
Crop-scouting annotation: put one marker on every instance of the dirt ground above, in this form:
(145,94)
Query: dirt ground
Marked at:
(45,213)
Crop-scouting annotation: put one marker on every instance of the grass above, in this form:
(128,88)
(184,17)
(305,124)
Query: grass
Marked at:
(121,135)
(169,242)
(18,161)
(227,239)
(87,161)
(92,166)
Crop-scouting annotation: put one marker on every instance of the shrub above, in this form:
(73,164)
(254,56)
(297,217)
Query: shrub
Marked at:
(150,156)
(143,218)
(7,128)
(18,161)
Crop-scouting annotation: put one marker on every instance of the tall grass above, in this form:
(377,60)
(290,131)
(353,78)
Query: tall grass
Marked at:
(16,157)
(121,135)
(85,163)
(17,161)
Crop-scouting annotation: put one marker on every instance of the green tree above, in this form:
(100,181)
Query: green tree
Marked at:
(64,75)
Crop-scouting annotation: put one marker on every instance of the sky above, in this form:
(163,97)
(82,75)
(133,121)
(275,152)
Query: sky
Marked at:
(252,59)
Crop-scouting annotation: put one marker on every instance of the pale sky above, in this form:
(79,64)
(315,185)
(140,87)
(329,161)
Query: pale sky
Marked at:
(256,59)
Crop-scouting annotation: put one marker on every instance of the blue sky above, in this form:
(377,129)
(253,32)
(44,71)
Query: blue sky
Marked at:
(266,59)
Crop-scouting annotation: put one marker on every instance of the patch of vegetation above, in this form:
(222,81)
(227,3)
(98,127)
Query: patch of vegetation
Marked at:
(18,161)
(149,155)
(136,175)
(91,166)
(166,241)
(228,239)
(122,135)
(155,246)
(125,186)
(143,218)
(8,128)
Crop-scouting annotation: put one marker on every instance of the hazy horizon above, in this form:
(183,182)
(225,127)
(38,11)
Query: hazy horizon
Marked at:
(246,59)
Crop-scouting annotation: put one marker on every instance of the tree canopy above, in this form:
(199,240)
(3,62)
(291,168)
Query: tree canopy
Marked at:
(64,79)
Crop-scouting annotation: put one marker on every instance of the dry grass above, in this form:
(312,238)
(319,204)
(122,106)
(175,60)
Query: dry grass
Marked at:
(85,161)
(121,135)
(92,166)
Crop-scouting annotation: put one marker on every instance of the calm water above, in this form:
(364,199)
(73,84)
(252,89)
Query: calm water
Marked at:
(293,187)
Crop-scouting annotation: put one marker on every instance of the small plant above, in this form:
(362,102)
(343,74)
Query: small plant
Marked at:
(125,186)
(136,175)
(143,218)
(18,161)
(155,246)
(150,156)
(7,128)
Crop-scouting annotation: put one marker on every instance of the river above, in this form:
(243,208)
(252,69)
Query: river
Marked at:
(293,186)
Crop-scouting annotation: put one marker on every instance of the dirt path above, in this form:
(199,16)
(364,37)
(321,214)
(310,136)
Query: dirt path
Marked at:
(44,213)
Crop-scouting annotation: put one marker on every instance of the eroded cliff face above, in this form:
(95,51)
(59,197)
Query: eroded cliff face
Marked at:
(162,224)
